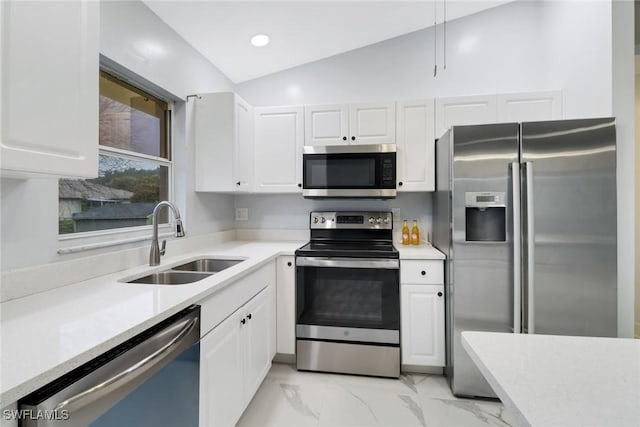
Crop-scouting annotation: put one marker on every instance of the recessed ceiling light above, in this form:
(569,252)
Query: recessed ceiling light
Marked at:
(260,40)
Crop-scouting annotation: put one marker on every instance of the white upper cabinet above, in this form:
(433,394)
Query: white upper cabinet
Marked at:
(326,124)
(278,141)
(536,106)
(368,123)
(49,72)
(415,145)
(372,123)
(466,110)
(223,134)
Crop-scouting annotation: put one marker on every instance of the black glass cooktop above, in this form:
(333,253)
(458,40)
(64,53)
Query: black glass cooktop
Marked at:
(351,249)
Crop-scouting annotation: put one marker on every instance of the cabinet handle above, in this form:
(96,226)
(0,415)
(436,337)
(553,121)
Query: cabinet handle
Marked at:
(344,138)
(238,183)
(353,138)
(439,294)
(423,273)
(249,316)
(289,264)
(299,185)
(243,321)
(400,184)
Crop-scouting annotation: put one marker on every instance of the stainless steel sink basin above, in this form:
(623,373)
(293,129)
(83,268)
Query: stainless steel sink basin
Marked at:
(171,278)
(208,265)
(189,272)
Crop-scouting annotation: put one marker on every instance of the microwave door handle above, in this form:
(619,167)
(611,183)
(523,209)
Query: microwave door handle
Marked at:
(140,370)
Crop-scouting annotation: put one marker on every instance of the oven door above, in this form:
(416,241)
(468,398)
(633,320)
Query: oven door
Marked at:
(347,171)
(348,299)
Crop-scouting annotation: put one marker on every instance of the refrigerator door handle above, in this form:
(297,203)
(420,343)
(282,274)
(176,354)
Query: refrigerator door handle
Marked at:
(530,259)
(517,247)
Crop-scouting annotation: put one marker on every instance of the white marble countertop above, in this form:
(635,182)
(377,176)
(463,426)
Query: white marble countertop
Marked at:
(564,381)
(46,335)
(421,251)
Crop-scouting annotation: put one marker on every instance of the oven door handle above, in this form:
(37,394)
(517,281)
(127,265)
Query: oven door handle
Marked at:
(389,264)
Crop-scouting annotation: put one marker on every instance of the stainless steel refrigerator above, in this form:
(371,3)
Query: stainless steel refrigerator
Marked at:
(526,214)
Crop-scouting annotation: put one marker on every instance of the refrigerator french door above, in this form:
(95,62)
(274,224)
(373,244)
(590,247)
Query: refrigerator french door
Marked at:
(527,216)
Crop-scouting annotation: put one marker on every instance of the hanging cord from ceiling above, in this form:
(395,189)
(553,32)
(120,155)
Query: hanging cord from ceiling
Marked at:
(435,38)
(444,42)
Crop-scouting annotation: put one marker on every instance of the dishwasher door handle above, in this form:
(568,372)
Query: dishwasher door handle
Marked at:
(136,372)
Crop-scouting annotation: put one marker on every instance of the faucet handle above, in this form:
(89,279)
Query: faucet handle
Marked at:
(162,250)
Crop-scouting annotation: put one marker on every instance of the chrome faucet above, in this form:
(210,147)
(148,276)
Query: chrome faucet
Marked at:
(156,252)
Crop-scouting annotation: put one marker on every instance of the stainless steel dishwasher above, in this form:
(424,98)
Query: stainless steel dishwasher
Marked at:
(150,380)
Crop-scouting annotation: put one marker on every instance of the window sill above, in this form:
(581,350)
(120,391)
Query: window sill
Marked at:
(73,243)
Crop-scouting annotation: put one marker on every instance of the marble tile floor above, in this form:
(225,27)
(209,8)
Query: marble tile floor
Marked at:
(288,398)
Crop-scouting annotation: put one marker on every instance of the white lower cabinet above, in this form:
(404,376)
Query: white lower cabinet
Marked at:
(286,305)
(234,359)
(237,346)
(422,325)
(222,373)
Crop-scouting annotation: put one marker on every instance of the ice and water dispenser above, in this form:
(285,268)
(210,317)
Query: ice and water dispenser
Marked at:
(485,217)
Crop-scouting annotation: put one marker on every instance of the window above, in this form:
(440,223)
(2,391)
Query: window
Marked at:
(135,168)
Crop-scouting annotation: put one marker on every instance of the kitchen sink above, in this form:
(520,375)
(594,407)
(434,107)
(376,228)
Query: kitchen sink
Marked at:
(189,272)
(171,278)
(208,265)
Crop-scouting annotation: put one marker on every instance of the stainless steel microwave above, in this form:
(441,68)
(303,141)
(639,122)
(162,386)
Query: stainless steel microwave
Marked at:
(367,171)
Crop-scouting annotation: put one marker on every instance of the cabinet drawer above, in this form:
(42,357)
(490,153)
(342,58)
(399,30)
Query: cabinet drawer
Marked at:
(428,272)
(223,303)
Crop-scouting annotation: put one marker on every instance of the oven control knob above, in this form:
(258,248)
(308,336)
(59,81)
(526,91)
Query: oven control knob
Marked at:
(379,220)
(323,220)
(386,220)
(372,220)
(315,219)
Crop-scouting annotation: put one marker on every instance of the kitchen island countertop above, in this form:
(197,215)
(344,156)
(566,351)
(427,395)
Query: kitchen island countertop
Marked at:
(549,380)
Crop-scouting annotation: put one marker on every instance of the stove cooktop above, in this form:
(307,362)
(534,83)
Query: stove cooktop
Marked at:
(376,249)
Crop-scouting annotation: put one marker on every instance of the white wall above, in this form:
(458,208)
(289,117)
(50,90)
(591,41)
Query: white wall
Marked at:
(624,111)
(138,42)
(577,54)
(637,203)
(497,50)
(289,212)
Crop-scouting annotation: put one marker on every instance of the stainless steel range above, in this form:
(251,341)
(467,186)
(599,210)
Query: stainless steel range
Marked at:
(348,295)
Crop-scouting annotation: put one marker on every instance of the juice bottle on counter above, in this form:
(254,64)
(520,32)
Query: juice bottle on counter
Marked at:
(406,239)
(415,233)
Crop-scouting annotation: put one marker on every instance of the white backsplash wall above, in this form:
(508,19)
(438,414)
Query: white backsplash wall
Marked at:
(291,211)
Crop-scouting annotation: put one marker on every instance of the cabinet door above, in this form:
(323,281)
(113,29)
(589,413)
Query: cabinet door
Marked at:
(243,147)
(415,145)
(222,397)
(257,342)
(535,106)
(279,139)
(372,123)
(213,132)
(49,88)
(422,324)
(467,110)
(326,124)
(286,305)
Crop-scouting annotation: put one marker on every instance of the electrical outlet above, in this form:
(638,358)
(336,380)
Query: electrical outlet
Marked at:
(242,214)
(396,214)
